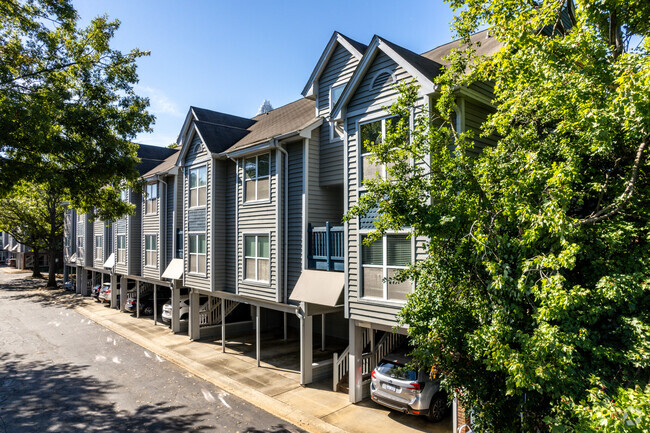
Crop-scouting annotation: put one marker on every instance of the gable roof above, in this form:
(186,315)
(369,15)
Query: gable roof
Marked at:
(289,118)
(218,138)
(165,166)
(218,118)
(151,156)
(488,46)
(355,48)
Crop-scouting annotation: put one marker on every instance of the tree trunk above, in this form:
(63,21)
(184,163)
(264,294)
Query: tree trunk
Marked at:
(51,279)
(36,273)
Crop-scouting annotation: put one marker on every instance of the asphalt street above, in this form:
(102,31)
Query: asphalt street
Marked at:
(60,372)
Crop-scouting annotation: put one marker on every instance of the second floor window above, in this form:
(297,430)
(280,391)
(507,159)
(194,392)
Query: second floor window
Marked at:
(256,255)
(124,195)
(80,242)
(151,251)
(152,199)
(198,186)
(381,261)
(179,243)
(121,248)
(369,134)
(197,253)
(99,246)
(257,175)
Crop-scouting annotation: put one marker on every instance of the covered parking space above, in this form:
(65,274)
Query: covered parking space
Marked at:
(141,289)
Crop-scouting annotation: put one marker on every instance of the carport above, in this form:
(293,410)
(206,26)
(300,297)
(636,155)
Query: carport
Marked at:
(140,283)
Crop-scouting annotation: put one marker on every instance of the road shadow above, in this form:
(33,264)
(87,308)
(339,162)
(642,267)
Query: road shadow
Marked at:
(280,428)
(33,289)
(40,396)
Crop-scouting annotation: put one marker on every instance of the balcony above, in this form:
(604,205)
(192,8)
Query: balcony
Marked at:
(326,248)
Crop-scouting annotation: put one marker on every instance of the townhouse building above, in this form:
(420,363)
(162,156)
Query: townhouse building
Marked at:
(247,215)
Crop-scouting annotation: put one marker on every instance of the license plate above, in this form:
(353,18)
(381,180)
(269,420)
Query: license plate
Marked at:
(389,387)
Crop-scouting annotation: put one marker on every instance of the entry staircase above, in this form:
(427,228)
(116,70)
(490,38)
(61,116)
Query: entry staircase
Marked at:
(212,315)
(372,354)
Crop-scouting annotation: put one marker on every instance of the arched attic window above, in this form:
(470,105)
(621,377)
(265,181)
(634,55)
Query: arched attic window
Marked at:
(382,78)
(195,147)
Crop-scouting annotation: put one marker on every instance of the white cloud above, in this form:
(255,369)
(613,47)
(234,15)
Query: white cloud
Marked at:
(159,102)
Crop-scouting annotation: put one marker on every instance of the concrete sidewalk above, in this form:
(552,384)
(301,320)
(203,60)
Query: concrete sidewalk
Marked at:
(315,408)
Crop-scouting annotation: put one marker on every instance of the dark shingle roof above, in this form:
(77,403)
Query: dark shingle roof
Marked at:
(151,156)
(427,67)
(165,166)
(489,46)
(288,118)
(218,118)
(357,45)
(220,137)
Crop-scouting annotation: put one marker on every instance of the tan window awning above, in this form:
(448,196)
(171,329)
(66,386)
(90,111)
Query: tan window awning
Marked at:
(15,248)
(73,258)
(7,247)
(175,270)
(110,262)
(319,287)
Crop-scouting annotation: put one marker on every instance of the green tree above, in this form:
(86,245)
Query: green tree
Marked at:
(67,106)
(33,215)
(533,299)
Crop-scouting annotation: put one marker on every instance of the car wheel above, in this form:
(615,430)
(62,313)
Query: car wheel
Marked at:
(148,311)
(438,407)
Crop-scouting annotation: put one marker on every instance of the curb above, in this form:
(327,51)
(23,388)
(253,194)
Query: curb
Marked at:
(271,405)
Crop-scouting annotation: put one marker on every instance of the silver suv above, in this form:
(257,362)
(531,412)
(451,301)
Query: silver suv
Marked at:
(395,385)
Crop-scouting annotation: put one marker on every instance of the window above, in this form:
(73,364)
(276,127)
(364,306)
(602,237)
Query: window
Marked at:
(99,246)
(372,133)
(151,251)
(179,243)
(335,94)
(382,260)
(124,195)
(256,255)
(257,177)
(381,79)
(80,245)
(152,199)
(197,253)
(121,248)
(198,186)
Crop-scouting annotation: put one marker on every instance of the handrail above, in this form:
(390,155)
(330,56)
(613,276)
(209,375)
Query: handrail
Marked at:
(326,244)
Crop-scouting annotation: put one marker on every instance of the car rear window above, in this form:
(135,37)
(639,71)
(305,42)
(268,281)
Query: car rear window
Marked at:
(396,370)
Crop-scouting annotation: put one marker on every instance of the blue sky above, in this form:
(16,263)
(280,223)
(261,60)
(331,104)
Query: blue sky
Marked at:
(231,55)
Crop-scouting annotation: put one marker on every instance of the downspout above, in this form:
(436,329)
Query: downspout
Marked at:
(285,209)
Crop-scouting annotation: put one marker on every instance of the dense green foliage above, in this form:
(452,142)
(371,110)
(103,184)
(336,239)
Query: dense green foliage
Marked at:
(33,215)
(67,106)
(534,297)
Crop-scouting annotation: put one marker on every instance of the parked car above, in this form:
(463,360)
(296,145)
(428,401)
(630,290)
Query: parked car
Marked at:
(146,303)
(395,385)
(94,292)
(184,308)
(11,262)
(105,293)
(70,285)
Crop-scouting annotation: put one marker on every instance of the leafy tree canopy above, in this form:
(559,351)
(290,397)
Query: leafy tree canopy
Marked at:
(67,106)
(533,299)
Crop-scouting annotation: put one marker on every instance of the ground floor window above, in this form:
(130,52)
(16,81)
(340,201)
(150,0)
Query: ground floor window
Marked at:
(121,248)
(197,253)
(256,255)
(381,261)
(151,251)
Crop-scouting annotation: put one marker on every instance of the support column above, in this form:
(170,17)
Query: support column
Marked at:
(322,332)
(114,288)
(66,274)
(285,325)
(155,304)
(79,282)
(355,362)
(257,335)
(123,292)
(194,329)
(306,349)
(137,299)
(176,295)
(223,325)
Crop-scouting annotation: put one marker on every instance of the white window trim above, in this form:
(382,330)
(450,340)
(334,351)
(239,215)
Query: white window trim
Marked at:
(257,200)
(189,254)
(263,283)
(189,186)
(118,249)
(99,256)
(391,73)
(155,236)
(147,199)
(384,267)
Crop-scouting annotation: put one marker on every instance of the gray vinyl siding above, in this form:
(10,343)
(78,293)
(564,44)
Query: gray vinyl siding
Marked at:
(367,99)
(98,230)
(192,160)
(219,223)
(179,204)
(295,192)
(485,88)
(258,218)
(89,243)
(151,226)
(169,223)
(364,102)
(475,115)
(134,236)
(339,69)
(230,248)
(325,203)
